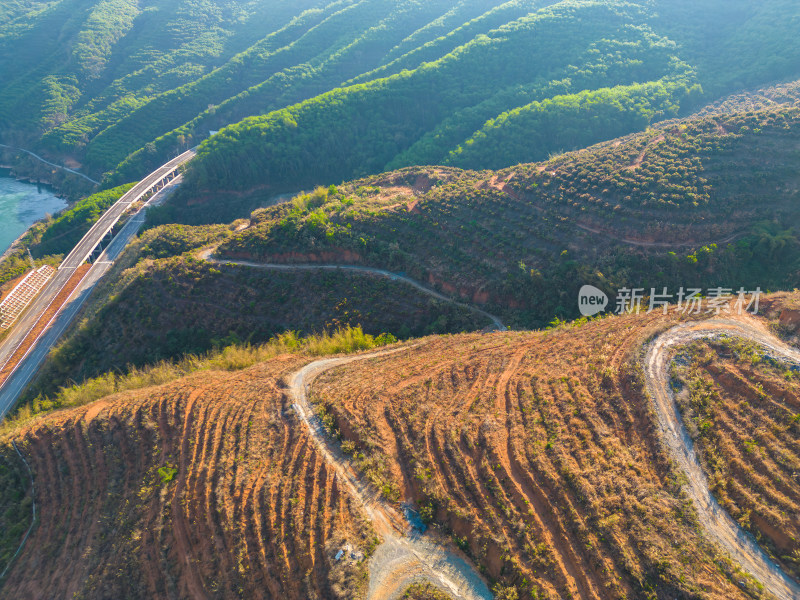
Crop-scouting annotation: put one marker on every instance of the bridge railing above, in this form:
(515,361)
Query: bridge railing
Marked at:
(112,216)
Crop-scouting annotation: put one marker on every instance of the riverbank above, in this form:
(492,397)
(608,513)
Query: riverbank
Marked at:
(27,167)
(24,209)
(51,164)
(8,171)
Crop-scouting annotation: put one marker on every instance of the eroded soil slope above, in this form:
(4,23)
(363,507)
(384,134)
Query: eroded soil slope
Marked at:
(207,487)
(538,454)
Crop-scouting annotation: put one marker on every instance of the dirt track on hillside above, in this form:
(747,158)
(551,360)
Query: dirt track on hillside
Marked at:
(496,322)
(719,526)
(405,556)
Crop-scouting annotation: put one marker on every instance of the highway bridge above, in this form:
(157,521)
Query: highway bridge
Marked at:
(90,244)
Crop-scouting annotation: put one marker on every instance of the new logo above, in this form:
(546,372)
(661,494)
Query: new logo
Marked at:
(591,301)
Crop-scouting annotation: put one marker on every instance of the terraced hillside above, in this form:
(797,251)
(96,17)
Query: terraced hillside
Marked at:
(206,487)
(540,456)
(537,453)
(707,201)
(741,407)
(684,204)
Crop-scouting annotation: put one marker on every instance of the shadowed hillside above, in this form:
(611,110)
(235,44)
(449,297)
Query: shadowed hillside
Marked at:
(706,201)
(336,90)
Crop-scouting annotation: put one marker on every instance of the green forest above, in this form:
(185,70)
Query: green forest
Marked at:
(315,92)
(706,201)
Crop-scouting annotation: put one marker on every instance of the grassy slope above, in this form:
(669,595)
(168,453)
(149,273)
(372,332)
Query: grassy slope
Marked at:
(408,118)
(711,200)
(109,57)
(510,239)
(241,59)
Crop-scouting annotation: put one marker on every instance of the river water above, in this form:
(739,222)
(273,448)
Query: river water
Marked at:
(21,205)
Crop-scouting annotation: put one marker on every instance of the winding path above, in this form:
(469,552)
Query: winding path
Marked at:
(52,164)
(642,244)
(208,256)
(720,527)
(405,556)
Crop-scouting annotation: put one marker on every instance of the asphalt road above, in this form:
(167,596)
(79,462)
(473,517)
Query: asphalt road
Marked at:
(104,224)
(32,361)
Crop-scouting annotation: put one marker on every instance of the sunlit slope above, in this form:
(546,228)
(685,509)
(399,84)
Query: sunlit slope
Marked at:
(422,115)
(536,453)
(206,486)
(741,406)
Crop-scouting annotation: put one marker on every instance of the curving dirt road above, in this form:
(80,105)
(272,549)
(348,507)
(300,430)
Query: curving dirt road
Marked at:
(207,255)
(720,527)
(405,556)
(641,244)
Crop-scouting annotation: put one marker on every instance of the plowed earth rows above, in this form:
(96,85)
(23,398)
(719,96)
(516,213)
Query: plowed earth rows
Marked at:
(741,412)
(538,454)
(252,510)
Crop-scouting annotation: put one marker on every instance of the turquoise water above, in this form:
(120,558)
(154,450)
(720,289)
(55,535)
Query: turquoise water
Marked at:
(21,205)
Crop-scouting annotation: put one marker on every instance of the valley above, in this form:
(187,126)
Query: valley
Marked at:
(312,326)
